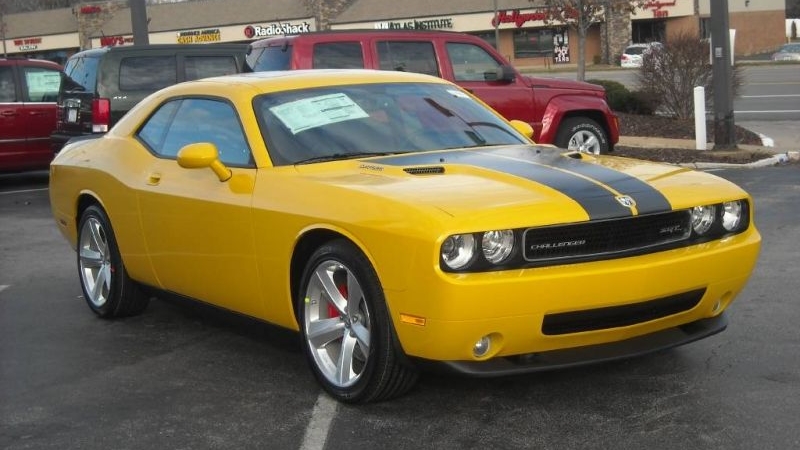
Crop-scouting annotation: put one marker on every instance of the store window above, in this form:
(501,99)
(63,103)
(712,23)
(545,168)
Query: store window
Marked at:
(533,43)
(705,28)
(488,36)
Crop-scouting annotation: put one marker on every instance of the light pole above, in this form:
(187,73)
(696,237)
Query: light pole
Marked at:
(496,29)
(724,128)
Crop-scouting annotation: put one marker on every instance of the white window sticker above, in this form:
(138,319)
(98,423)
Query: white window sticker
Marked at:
(315,112)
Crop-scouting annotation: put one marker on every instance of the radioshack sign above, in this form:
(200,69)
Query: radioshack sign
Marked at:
(276,29)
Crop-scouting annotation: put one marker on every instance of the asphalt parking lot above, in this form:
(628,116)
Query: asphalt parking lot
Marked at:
(182,376)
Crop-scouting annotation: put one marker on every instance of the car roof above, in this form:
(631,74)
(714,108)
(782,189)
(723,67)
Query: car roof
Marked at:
(275,81)
(256,83)
(356,33)
(29,62)
(95,52)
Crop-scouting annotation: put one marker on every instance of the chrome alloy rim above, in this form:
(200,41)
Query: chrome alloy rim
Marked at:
(337,323)
(584,142)
(95,261)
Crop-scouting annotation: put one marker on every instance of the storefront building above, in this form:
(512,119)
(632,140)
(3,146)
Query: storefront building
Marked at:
(519,28)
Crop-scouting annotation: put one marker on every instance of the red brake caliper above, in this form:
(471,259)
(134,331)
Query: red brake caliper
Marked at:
(332,311)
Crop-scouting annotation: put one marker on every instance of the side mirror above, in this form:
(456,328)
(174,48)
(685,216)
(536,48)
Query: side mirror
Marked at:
(201,155)
(504,73)
(523,127)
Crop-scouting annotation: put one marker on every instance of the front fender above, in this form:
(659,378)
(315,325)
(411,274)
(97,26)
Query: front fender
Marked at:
(577,105)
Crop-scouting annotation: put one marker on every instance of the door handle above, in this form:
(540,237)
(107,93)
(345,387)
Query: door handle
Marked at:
(9,113)
(154,179)
(36,113)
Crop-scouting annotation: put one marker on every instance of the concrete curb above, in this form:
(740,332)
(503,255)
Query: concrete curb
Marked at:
(779,158)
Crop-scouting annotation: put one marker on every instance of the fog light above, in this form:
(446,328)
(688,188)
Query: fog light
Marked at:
(481,347)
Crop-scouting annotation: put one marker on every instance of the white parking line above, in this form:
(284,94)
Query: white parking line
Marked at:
(3,286)
(23,191)
(321,417)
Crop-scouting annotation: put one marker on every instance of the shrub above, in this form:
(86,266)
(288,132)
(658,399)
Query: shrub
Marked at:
(616,93)
(623,100)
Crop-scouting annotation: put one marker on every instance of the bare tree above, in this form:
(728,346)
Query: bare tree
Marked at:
(670,72)
(580,15)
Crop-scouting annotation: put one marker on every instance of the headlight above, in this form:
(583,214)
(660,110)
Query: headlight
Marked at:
(703,218)
(458,250)
(732,215)
(497,245)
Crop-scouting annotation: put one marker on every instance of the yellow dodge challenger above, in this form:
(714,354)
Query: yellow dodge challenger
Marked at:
(396,222)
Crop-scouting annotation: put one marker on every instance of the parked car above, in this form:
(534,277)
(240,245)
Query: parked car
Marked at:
(633,54)
(787,52)
(102,84)
(568,114)
(395,221)
(28,90)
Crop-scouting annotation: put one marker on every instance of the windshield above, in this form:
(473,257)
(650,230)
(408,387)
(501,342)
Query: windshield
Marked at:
(342,122)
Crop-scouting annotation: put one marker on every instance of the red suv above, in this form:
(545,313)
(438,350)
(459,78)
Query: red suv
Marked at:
(569,114)
(28,92)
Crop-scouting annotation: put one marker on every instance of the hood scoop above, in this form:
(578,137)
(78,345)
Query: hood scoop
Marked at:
(428,170)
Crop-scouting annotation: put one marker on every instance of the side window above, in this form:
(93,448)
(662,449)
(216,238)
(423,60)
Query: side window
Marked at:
(154,131)
(81,74)
(196,67)
(41,84)
(407,56)
(470,62)
(270,58)
(187,121)
(338,55)
(7,85)
(149,73)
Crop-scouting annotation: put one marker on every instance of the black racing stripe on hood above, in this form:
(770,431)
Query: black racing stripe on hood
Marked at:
(648,199)
(597,201)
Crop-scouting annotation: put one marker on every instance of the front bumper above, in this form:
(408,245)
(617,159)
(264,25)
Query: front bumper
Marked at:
(590,354)
(595,305)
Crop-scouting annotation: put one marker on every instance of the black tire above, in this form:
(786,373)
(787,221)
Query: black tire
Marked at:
(359,323)
(108,290)
(584,135)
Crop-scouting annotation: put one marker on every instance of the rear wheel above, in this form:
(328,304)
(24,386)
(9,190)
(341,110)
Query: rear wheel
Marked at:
(583,135)
(348,336)
(106,286)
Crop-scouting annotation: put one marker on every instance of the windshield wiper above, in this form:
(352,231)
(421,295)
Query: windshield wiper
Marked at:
(342,156)
(472,133)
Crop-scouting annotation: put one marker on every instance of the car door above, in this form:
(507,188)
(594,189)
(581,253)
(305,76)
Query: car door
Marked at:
(12,132)
(38,113)
(198,229)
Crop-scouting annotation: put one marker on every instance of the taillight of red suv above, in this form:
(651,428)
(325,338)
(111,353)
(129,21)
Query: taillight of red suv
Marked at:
(101,115)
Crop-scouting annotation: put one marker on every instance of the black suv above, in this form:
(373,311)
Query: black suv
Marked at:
(101,85)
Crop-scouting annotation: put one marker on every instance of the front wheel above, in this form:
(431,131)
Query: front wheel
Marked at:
(348,336)
(106,286)
(583,135)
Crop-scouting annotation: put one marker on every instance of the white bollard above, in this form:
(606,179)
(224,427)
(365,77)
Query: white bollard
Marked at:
(700,117)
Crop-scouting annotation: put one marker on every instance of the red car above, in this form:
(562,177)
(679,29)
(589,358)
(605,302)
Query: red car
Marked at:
(28,92)
(568,114)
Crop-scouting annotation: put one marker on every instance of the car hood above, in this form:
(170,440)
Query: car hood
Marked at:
(527,184)
(558,83)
